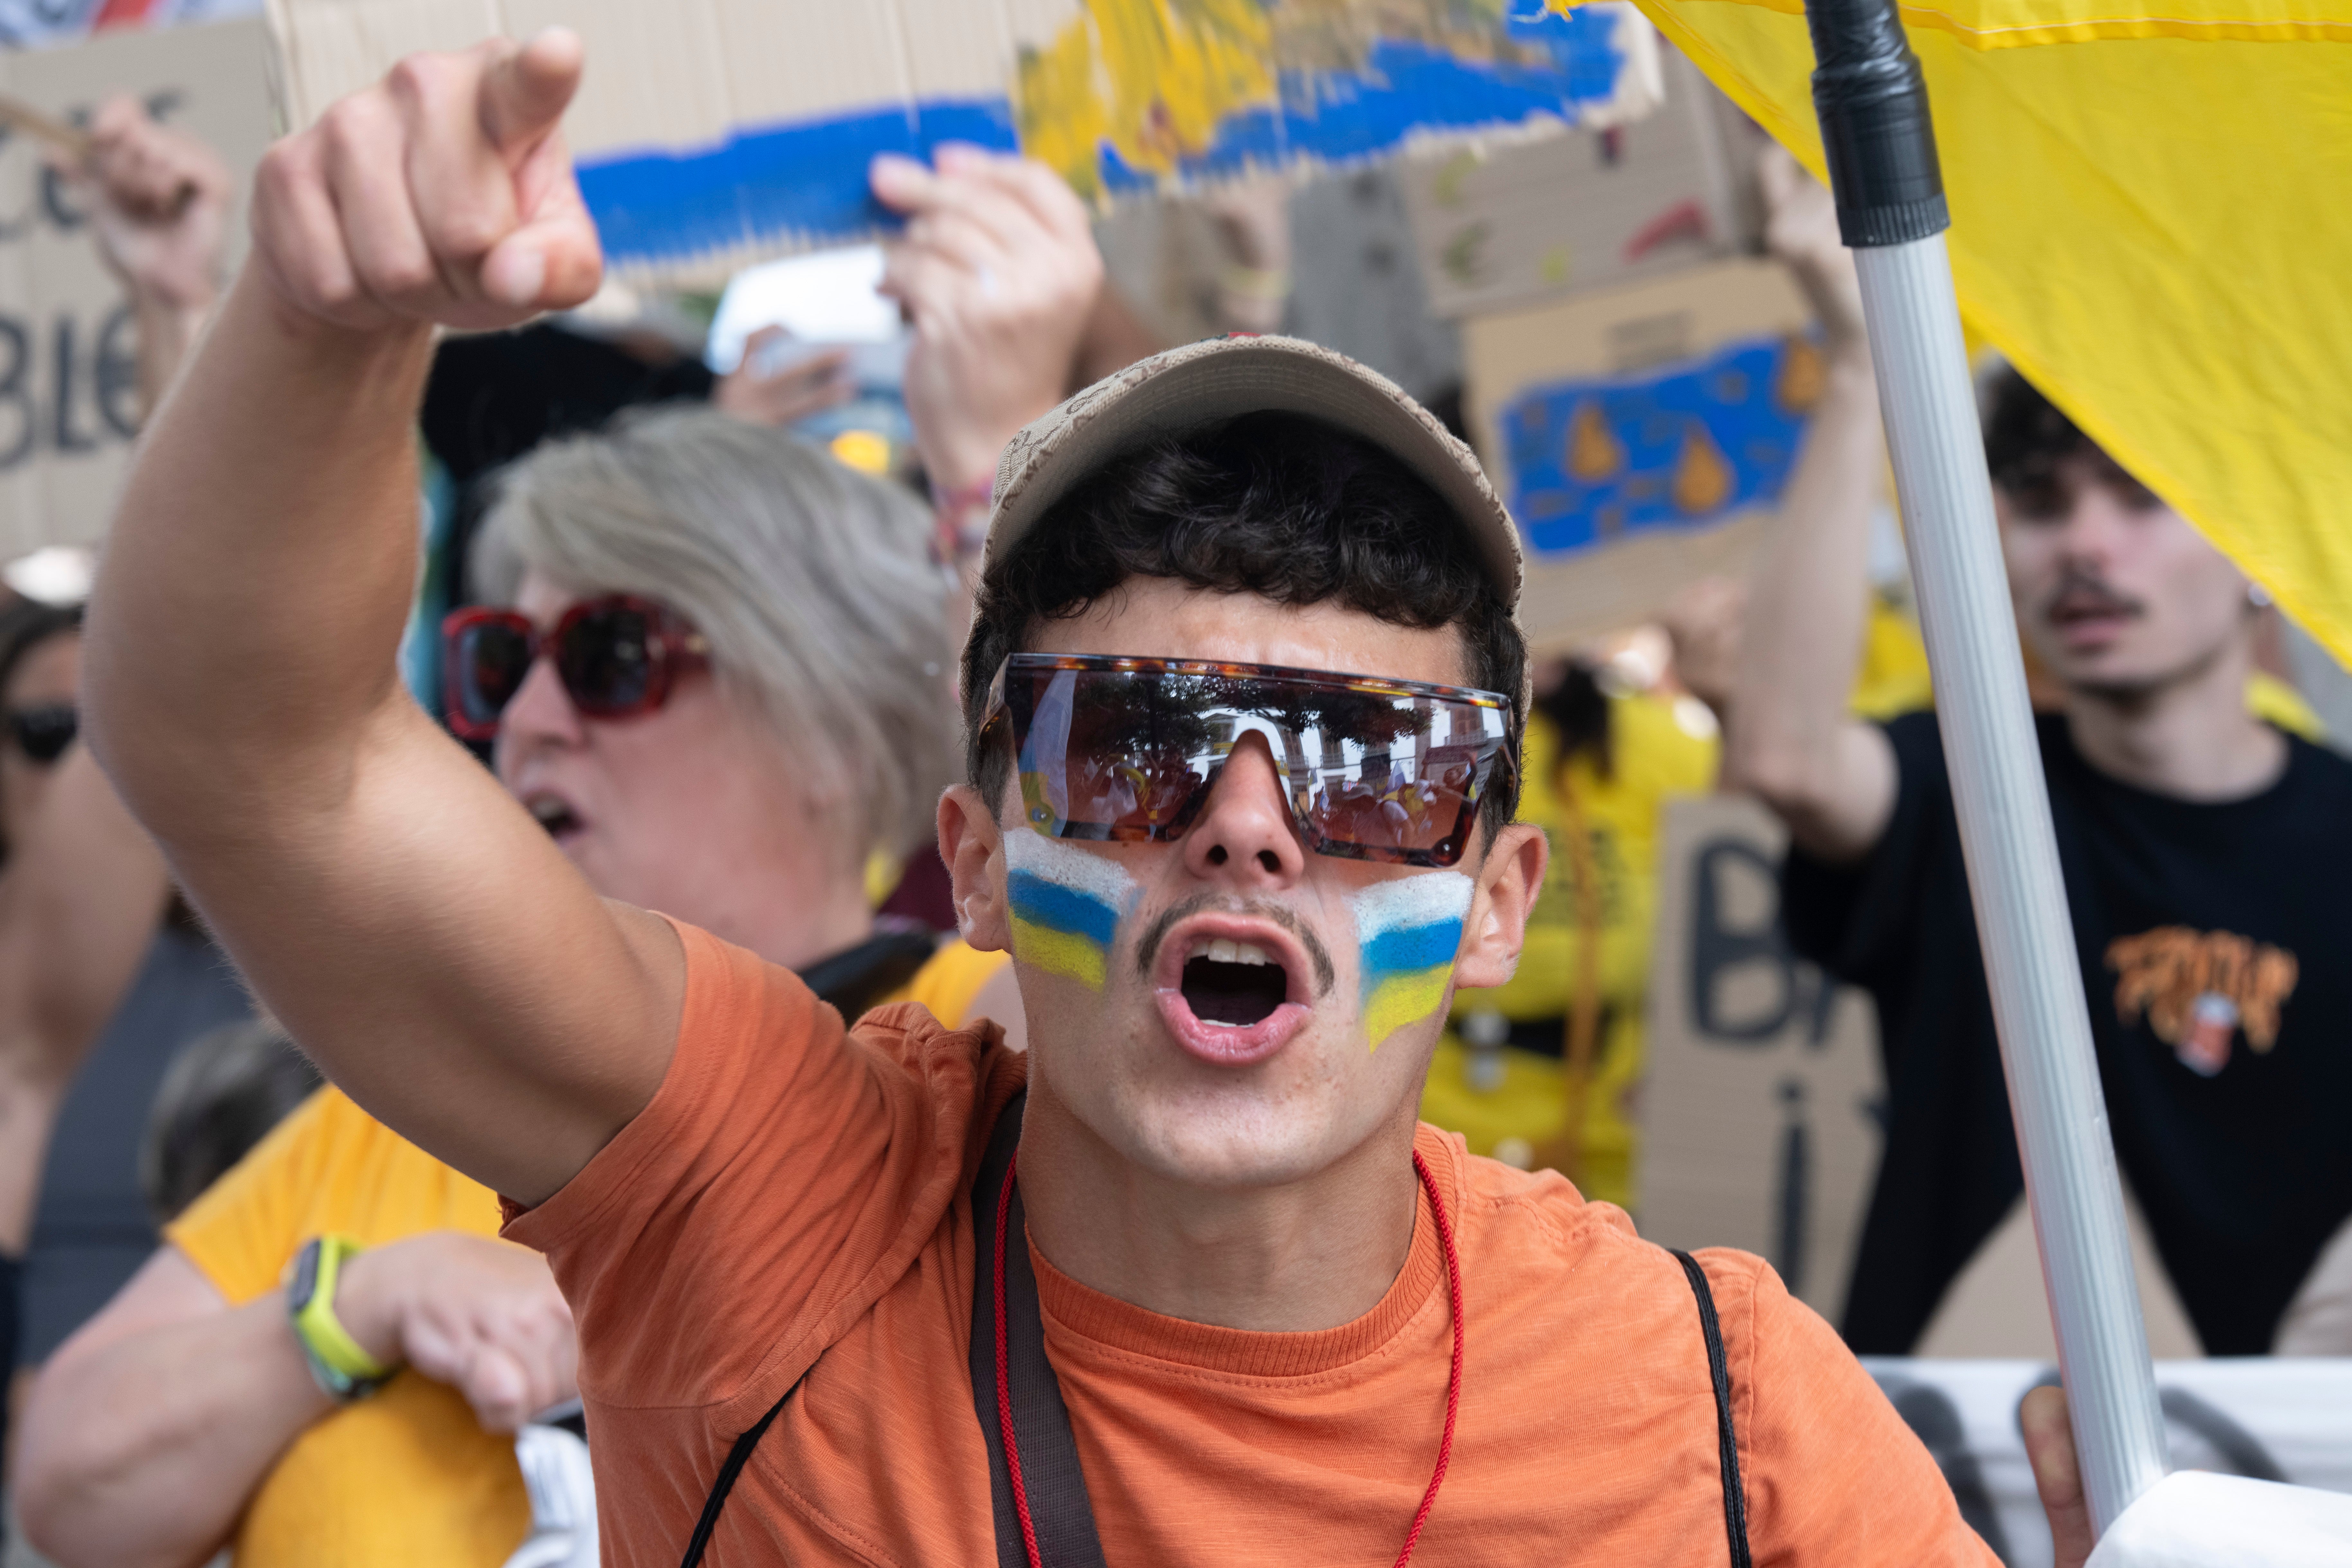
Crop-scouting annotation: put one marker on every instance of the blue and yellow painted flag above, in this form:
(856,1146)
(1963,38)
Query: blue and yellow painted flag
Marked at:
(2149,219)
(1066,904)
(1407,931)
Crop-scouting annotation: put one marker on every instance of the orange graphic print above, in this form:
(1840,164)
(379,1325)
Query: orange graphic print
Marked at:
(2199,989)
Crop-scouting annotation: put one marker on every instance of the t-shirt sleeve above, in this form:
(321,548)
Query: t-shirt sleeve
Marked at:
(241,1230)
(1851,919)
(786,1173)
(1832,1475)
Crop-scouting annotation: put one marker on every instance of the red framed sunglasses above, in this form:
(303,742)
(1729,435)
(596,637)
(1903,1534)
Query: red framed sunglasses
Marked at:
(617,656)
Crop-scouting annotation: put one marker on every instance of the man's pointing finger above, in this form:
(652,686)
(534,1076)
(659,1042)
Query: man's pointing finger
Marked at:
(527,87)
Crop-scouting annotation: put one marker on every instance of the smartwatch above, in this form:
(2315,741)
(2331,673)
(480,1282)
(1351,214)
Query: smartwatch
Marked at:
(337,1362)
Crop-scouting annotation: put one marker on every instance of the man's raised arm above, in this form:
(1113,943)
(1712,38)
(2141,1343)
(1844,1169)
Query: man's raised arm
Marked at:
(1789,736)
(410,924)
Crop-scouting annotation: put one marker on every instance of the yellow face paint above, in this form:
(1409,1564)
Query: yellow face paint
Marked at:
(1409,930)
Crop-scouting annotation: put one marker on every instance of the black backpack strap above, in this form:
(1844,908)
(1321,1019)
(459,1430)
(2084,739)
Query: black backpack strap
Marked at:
(736,1458)
(1059,1508)
(1727,1438)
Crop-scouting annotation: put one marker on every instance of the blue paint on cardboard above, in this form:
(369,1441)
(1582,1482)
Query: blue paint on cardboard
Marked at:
(1591,461)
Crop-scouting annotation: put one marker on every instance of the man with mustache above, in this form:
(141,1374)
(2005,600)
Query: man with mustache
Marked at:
(2206,855)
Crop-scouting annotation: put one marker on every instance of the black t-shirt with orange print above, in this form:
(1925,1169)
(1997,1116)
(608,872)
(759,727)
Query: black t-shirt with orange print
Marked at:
(2216,944)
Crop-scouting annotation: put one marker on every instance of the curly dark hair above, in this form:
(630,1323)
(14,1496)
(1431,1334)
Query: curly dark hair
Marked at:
(2027,437)
(1279,505)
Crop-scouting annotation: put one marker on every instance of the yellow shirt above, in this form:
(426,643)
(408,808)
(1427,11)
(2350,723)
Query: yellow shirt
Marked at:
(1653,755)
(407,1477)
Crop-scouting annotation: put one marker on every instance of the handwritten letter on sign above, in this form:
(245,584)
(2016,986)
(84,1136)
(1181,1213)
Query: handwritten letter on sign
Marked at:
(1760,1115)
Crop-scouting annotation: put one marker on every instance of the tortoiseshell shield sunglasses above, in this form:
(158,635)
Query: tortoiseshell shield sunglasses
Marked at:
(1129,748)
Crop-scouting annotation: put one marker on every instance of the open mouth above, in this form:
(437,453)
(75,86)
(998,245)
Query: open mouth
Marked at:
(554,814)
(1233,989)
(1233,984)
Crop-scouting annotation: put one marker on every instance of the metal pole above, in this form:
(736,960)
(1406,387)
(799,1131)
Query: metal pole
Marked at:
(1882,157)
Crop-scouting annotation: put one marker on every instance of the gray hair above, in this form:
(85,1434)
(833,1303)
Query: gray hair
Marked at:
(812,581)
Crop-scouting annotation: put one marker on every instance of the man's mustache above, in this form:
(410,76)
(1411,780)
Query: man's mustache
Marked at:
(2080,592)
(1317,953)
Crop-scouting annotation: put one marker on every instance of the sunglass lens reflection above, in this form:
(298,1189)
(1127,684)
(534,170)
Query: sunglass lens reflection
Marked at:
(606,658)
(496,658)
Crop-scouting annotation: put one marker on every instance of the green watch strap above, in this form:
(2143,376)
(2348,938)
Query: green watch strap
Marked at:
(339,1362)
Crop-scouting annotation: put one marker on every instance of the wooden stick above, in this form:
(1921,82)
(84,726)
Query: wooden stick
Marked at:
(42,126)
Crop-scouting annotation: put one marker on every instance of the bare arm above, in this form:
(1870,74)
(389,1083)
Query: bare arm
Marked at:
(79,905)
(1789,736)
(150,1427)
(410,924)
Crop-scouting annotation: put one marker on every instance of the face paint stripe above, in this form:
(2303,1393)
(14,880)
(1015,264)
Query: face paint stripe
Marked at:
(1409,930)
(1402,999)
(1418,948)
(1066,864)
(1066,904)
(1059,952)
(1058,908)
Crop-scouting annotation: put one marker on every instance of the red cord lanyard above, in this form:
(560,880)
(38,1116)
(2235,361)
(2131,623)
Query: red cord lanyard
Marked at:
(1453,1378)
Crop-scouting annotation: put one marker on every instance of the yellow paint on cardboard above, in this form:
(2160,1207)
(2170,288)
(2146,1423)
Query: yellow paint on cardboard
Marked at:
(1152,79)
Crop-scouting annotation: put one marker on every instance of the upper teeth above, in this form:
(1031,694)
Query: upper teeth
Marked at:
(1224,952)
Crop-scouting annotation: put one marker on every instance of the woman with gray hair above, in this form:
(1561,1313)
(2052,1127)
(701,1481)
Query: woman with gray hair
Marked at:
(744,686)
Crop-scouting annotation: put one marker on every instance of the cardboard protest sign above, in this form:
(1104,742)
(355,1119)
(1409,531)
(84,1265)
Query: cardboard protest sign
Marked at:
(1504,225)
(69,394)
(1641,435)
(2282,1420)
(1758,1112)
(714,133)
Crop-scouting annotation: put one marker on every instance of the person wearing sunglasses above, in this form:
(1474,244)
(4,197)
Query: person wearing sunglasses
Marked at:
(1185,1282)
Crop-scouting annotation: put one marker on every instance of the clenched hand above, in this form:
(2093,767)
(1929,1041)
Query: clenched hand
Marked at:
(443,194)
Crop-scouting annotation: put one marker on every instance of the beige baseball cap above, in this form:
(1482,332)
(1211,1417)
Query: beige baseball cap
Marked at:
(1219,379)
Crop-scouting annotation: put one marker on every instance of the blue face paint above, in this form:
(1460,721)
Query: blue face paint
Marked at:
(1066,904)
(1409,930)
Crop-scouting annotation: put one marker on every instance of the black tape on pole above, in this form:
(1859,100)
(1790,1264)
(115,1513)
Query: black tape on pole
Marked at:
(1880,143)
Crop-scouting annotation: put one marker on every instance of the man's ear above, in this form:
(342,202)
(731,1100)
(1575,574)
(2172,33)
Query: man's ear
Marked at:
(1507,885)
(972,848)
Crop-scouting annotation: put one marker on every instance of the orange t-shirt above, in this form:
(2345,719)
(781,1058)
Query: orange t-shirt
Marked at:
(797,1199)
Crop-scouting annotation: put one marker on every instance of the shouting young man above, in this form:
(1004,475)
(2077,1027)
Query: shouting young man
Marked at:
(1244,690)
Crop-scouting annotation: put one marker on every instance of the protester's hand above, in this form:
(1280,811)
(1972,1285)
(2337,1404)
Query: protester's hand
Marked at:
(787,395)
(159,203)
(998,271)
(1800,230)
(2049,1437)
(442,193)
(482,1316)
(1705,622)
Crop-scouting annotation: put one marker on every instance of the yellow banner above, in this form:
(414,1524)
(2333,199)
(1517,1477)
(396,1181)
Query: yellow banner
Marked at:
(2152,219)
